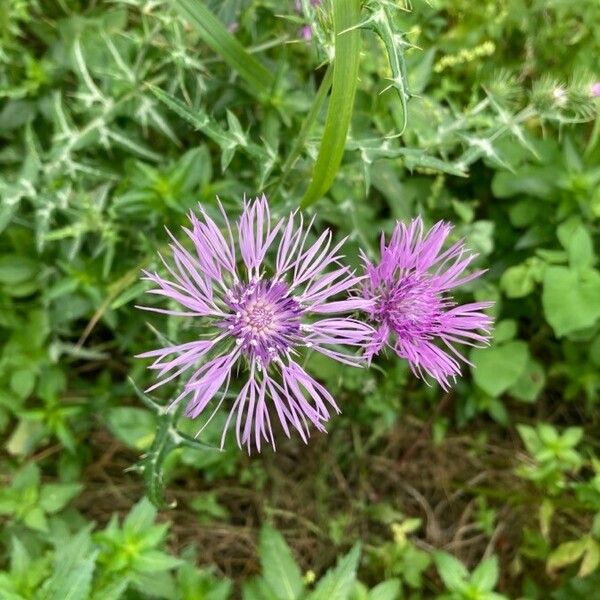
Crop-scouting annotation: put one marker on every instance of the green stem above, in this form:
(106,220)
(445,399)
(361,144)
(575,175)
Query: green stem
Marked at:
(306,127)
(346,17)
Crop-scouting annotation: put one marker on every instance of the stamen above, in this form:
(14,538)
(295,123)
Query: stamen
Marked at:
(265,320)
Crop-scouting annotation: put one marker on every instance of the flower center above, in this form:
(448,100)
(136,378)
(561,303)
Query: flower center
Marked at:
(410,307)
(258,317)
(264,319)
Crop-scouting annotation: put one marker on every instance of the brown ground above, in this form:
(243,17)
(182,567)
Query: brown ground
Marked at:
(306,487)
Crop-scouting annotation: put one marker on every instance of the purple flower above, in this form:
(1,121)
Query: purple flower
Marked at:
(298,4)
(258,317)
(306,33)
(413,311)
(595,89)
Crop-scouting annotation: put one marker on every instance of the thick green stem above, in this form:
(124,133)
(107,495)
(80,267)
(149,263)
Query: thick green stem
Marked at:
(346,17)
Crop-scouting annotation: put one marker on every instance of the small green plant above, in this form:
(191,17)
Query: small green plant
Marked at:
(462,585)
(554,454)
(28,501)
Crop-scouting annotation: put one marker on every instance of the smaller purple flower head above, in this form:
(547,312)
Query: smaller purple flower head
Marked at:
(595,89)
(298,4)
(259,292)
(412,308)
(306,33)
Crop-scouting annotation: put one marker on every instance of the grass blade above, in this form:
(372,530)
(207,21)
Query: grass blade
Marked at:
(346,15)
(220,40)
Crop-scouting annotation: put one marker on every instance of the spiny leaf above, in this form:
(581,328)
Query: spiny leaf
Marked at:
(414,158)
(228,141)
(167,439)
(382,23)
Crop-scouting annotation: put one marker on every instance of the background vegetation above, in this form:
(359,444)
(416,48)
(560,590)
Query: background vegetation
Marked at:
(117,117)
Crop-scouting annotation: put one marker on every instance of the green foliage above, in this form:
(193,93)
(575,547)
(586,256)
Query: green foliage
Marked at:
(116,118)
(214,33)
(281,574)
(554,453)
(28,501)
(105,564)
(463,585)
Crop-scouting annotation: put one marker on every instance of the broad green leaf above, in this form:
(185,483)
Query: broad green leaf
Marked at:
(453,573)
(153,561)
(135,427)
(257,589)
(577,241)
(16,269)
(195,583)
(22,382)
(25,436)
(360,591)
(36,519)
(19,558)
(27,477)
(517,281)
(161,583)
(6,593)
(591,558)
(55,496)
(386,590)
(113,590)
(485,576)
(279,567)
(539,182)
(505,331)
(530,383)
(566,554)
(571,299)
(571,436)
(152,536)
(496,368)
(220,40)
(337,583)
(140,518)
(547,433)
(578,588)
(73,569)
(346,17)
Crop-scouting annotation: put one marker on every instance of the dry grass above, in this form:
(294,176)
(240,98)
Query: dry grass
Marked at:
(307,488)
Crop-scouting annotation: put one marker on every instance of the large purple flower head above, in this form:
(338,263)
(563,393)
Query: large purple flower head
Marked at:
(412,308)
(260,293)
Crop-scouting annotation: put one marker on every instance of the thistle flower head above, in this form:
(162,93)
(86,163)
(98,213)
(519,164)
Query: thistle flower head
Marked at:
(595,89)
(260,293)
(412,308)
